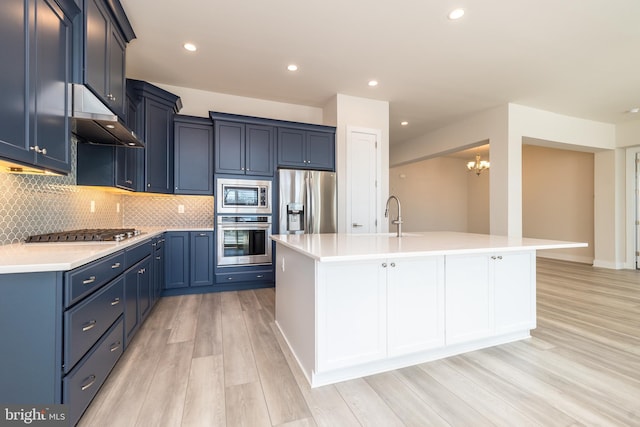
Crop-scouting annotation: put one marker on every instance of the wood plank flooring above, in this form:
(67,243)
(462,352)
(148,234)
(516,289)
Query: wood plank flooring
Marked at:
(217,360)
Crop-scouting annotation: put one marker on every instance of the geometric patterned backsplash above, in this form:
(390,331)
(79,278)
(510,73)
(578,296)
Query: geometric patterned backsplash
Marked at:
(36,204)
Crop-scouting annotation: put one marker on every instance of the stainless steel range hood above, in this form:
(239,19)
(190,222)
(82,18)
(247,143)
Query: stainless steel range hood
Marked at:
(93,122)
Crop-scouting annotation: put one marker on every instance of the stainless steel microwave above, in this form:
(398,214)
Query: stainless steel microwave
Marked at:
(243,196)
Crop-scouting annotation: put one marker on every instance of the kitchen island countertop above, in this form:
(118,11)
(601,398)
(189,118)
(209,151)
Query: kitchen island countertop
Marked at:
(353,247)
(41,257)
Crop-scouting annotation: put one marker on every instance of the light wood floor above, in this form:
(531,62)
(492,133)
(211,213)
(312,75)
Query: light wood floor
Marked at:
(216,360)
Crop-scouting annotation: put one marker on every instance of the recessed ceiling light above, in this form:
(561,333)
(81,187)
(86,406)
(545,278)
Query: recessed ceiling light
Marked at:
(292,67)
(456,14)
(404,123)
(634,110)
(190,47)
(373,83)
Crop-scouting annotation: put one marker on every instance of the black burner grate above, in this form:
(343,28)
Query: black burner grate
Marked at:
(86,235)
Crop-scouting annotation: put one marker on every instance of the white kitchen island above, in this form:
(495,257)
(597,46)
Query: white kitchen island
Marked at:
(350,305)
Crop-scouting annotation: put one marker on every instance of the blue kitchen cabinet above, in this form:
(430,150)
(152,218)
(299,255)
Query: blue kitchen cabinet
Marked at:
(156,109)
(193,155)
(106,33)
(36,53)
(189,259)
(128,174)
(158,265)
(176,259)
(306,149)
(137,287)
(201,253)
(243,148)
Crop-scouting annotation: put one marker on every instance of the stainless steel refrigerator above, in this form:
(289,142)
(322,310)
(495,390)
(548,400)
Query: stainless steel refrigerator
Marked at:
(307,201)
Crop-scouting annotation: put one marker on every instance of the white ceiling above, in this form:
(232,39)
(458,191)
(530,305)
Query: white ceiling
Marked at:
(573,57)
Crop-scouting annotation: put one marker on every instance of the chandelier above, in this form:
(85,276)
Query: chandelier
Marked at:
(478,165)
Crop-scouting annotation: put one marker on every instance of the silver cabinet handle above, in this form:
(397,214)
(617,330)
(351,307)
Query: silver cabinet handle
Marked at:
(89,325)
(142,271)
(128,181)
(116,345)
(89,280)
(384,265)
(259,276)
(158,258)
(38,150)
(229,278)
(496,257)
(116,265)
(356,225)
(393,264)
(116,301)
(92,379)
(203,234)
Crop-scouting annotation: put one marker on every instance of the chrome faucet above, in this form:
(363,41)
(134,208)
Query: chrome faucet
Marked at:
(397,221)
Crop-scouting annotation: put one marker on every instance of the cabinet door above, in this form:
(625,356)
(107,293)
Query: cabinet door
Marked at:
(158,147)
(259,150)
(351,310)
(291,147)
(158,269)
(320,150)
(514,279)
(144,288)
(201,254)
(193,158)
(230,147)
(468,298)
(415,288)
(13,84)
(96,44)
(131,315)
(176,259)
(116,95)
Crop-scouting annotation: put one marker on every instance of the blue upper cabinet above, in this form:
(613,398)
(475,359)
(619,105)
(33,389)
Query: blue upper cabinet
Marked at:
(106,33)
(193,155)
(243,148)
(155,109)
(306,149)
(36,50)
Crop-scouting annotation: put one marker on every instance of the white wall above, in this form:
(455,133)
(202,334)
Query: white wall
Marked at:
(557,195)
(197,102)
(433,193)
(346,111)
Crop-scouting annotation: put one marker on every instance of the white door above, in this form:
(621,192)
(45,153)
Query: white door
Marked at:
(363,181)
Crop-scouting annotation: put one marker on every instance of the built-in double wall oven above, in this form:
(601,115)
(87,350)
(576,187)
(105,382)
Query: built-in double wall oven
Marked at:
(243,222)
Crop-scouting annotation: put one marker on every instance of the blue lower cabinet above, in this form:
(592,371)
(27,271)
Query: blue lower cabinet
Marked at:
(201,265)
(137,290)
(188,259)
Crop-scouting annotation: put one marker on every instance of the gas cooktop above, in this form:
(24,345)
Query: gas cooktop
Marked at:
(86,235)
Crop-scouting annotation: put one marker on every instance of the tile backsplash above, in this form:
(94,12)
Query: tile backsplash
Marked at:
(35,204)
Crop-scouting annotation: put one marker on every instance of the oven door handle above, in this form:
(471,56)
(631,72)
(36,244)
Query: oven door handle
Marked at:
(245,227)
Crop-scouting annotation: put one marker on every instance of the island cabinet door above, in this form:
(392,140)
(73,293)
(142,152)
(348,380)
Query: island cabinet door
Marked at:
(514,278)
(351,313)
(468,297)
(415,290)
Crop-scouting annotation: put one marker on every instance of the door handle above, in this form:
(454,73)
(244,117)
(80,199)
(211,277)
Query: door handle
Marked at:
(356,225)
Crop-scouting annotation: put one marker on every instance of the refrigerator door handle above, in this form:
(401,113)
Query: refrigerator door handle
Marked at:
(309,213)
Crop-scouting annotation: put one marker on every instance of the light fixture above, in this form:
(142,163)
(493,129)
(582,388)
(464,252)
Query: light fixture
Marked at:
(456,14)
(478,165)
(373,83)
(190,47)
(404,123)
(292,67)
(634,110)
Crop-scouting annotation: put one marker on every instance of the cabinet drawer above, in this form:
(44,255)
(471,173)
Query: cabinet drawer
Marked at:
(137,252)
(85,323)
(254,276)
(84,280)
(84,381)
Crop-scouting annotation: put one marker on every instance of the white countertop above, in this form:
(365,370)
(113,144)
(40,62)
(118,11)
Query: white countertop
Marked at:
(353,247)
(39,257)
